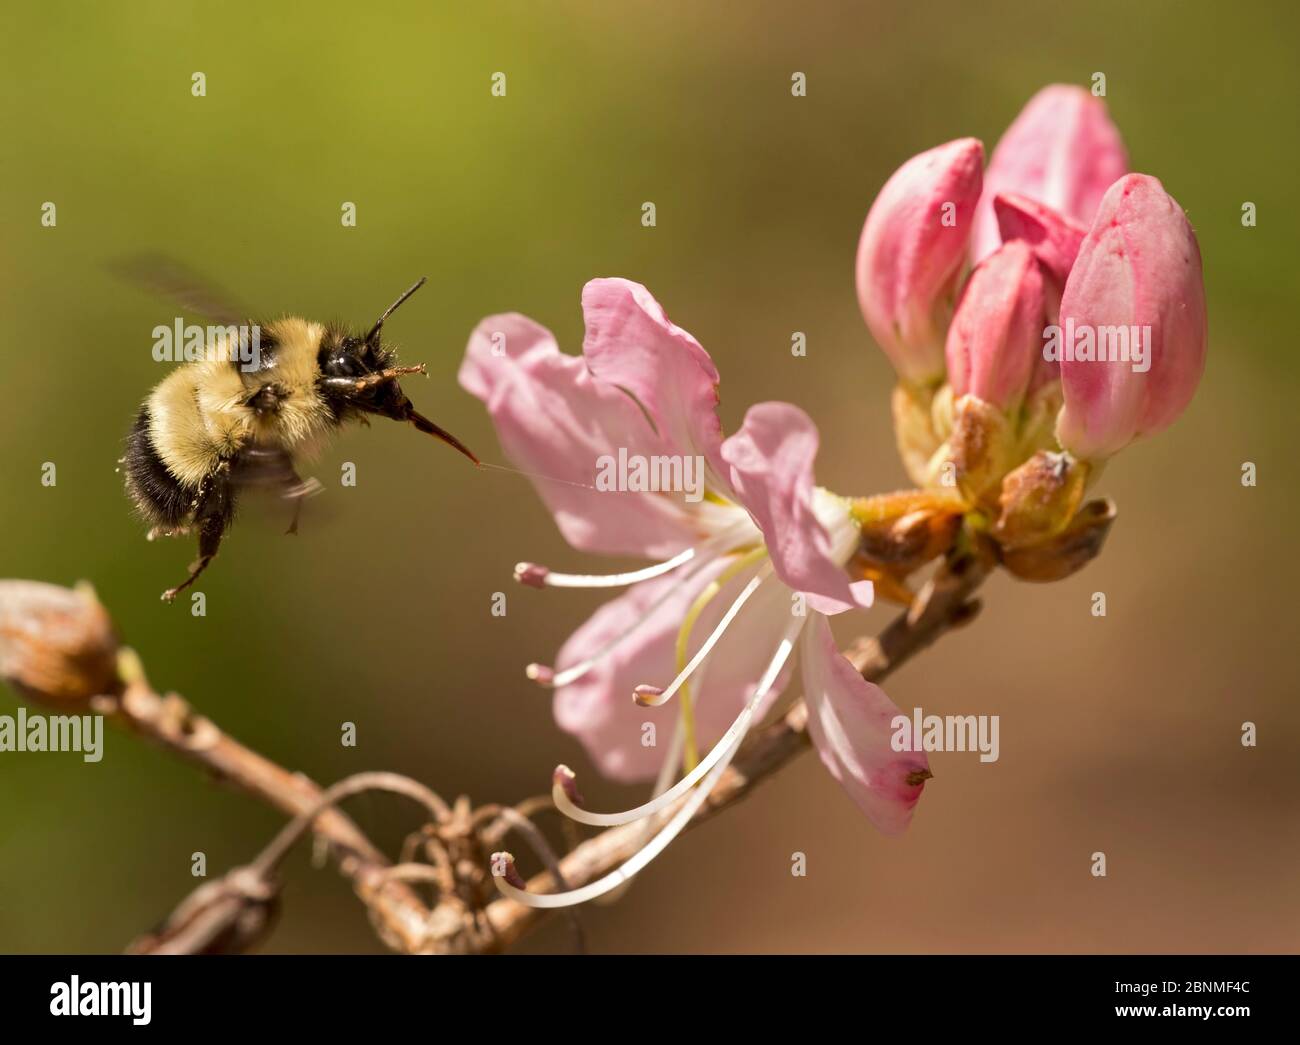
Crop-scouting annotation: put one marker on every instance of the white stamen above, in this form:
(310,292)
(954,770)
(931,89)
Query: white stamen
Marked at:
(540,577)
(675,749)
(634,863)
(541,674)
(651,696)
(704,554)
(737,731)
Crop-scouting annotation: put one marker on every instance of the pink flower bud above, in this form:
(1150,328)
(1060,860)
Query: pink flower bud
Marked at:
(912,250)
(997,330)
(1133,335)
(1062,150)
(1054,238)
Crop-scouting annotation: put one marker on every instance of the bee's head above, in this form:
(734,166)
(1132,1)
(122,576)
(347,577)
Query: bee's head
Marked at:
(358,376)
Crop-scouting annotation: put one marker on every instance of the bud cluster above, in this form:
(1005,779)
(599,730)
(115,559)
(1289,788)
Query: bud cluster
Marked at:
(1041,315)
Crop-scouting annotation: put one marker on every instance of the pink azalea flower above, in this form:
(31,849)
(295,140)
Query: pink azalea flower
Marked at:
(746,573)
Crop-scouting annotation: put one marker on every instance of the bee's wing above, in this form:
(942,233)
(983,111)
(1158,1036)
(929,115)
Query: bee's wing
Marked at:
(171,279)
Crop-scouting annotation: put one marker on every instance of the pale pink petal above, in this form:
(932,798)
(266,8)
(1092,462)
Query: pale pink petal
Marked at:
(1062,150)
(631,344)
(554,419)
(850,722)
(598,708)
(771,460)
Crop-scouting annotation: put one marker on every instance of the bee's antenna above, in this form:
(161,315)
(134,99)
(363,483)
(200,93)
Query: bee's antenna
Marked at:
(374,331)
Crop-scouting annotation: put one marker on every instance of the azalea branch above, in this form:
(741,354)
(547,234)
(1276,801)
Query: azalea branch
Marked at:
(399,916)
(234,912)
(58,648)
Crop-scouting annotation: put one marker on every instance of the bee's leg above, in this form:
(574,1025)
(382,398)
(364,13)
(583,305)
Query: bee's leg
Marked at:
(216,507)
(210,533)
(292,531)
(360,384)
(297,492)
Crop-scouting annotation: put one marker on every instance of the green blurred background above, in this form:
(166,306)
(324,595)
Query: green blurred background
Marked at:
(1118,734)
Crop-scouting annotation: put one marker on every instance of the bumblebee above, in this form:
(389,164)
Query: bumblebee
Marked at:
(231,420)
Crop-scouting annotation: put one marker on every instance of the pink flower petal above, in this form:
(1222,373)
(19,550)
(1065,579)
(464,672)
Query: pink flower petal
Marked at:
(598,708)
(850,721)
(771,460)
(631,344)
(1062,150)
(554,419)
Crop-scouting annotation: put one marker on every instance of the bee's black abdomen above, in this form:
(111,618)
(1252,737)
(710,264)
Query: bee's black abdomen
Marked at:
(157,493)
